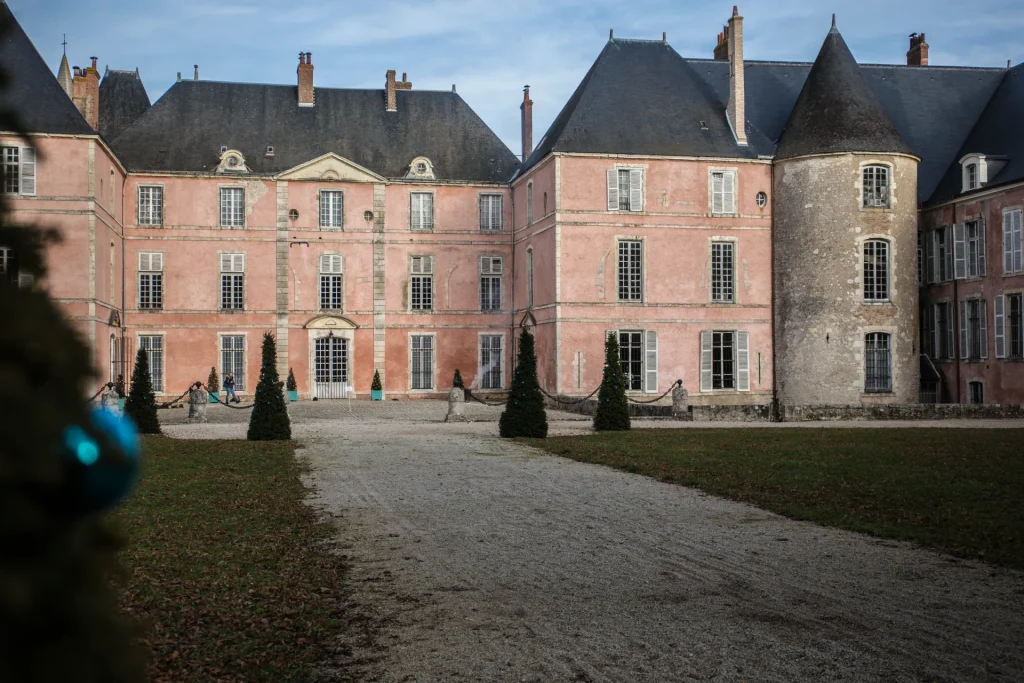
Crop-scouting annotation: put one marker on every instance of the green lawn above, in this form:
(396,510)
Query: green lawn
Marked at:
(226,566)
(960,490)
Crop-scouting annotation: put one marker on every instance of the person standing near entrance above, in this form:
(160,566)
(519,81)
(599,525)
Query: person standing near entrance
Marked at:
(229,388)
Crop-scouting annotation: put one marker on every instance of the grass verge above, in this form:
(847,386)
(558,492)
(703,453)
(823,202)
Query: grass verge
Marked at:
(225,565)
(958,490)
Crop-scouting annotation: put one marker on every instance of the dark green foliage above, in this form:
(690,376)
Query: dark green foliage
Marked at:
(269,420)
(119,387)
(141,403)
(213,381)
(376,386)
(612,409)
(457,380)
(291,385)
(524,411)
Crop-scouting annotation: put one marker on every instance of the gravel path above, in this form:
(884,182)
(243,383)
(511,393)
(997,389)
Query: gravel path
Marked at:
(476,559)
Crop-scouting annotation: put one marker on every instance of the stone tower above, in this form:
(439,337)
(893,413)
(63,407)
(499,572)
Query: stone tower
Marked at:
(845,245)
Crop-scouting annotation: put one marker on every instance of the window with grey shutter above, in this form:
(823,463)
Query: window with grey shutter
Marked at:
(331,282)
(743,360)
(651,362)
(625,189)
(19,170)
(421,212)
(151,280)
(421,285)
(1013,242)
(723,192)
(999,318)
(232,282)
(974,236)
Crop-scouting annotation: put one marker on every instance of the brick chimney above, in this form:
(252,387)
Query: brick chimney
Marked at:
(306,95)
(86,93)
(917,55)
(392,87)
(722,47)
(527,118)
(737,110)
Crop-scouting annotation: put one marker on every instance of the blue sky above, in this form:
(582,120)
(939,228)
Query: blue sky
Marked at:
(488,49)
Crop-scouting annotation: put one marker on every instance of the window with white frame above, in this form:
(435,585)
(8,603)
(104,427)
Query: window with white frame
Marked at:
(976,392)
(973,330)
(723,272)
(422,361)
(490,361)
(232,358)
(942,330)
(490,213)
(1012,242)
(1008,325)
(969,249)
(331,282)
(332,209)
(421,211)
(151,280)
(151,205)
(491,269)
(876,270)
(876,187)
(625,189)
(725,360)
(877,363)
(232,282)
(529,278)
(723,192)
(421,283)
(153,345)
(972,176)
(638,354)
(939,255)
(631,270)
(19,169)
(232,207)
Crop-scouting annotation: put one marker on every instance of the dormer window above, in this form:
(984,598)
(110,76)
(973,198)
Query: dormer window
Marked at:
(270,150)
(421,169)
(972,177)
(978,170)
(232,161)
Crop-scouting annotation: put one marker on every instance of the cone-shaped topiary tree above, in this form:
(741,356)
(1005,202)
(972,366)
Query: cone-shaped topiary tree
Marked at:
(213,381)
(141,403)
(612,409)
(291,384)
(269,420)
(524,411)
(457,380)
(376,385)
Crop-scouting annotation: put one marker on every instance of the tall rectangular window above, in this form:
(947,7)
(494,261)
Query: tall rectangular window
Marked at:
(1015,326)
(491,212)
(421,212)
(331,282)
(723,361)
(877,363)
(154,347)
(973,330)
(332,209)
(151,280)
(421,285)
(876,270)
(942,255)
(529,203)
(19,169)
(6,260)
(975,248)
(232,281)
(723,192)
(529,278)
(972,176)
(631,353)
(630,271)
(491,268)
(490,361)
(723,272)
(151,205)
(232,207)
(232,359)
(422,370)
(943,339)
(975,393)
(625,189)
(876,187)
(1013,250)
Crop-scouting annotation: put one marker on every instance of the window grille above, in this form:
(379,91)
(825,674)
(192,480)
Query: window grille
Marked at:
(421,283)
(1012,242)
(631,353)
(421,215)
(876,270)
(151,205)
(943,333)
(232,281)
(722,272)
(976,392)
(876,187)
(331,282)
(422,362)
(723,361)
(973,330)
(491,212)
(232,207)
(232,355)
(1015,326)
(723,192)
(490,361)
(491,268)
(877,363)
(332,209)
(154,348)
(630,271)
(151,280)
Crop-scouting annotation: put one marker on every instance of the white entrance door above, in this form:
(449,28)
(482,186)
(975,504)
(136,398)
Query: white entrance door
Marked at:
(331,367)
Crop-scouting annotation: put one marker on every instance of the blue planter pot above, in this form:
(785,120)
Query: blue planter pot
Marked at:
(214,397)
(376,394)
(293,396)
(120,403)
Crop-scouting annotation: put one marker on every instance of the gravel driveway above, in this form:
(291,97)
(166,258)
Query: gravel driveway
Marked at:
(476,559)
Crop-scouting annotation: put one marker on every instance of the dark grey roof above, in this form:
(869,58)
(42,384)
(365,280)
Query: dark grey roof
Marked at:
(123,100)
(34,93)
(186,128)
(997,133)
(836,110)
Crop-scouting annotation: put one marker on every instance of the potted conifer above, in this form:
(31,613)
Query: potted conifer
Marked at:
(293,388)
(376,390)
(213,386)
(524,410)
(612,414)
(269,420)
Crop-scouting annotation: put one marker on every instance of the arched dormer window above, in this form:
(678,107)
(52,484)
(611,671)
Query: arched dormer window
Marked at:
(232,161)
(876,270)
(971,177)
(421,168)
(876,186)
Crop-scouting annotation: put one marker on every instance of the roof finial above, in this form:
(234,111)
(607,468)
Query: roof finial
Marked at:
(611,34)
(65,44)
(833,20)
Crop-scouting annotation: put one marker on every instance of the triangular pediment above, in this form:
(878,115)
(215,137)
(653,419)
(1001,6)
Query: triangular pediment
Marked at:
(331,167)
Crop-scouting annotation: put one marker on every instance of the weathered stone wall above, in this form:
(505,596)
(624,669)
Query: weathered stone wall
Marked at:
(918,411)
(821,317)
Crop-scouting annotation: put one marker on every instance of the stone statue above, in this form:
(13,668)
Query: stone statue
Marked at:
(456,406)
(197,401)
(680,398)
(111,401)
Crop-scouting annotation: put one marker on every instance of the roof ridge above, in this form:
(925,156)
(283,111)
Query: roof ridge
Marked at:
(637,40)
(924,69)
(191,82)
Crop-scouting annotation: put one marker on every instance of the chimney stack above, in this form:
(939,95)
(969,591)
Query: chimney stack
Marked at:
(196,77)
(722,47)
(917,55)
(737,111)
(86,93)
(527,120)
(306,95)
(391,87)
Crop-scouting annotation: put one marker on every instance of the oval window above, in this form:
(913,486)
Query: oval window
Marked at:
(762,199)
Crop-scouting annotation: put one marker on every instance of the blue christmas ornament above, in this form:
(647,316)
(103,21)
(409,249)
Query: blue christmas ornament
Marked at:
(105,460)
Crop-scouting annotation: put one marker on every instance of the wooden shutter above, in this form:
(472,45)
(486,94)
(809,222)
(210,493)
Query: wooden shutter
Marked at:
(999,315)
(232,263)
(330,264)
(416,212)
(651,361)
(963,329)
(950,332)
(717,181)
(743,360)
(949,254)
(416,265)
(636,189)
(485,213)
(28,170)
(983,316)
(613,190)
(1007,243)
(959,251)
(706,343)
(729,192)
(491,265)
(982,249)
(929,250)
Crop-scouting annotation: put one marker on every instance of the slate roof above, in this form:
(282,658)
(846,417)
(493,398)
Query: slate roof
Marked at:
(123,100)
(34,93)
(836,111)
(186,128)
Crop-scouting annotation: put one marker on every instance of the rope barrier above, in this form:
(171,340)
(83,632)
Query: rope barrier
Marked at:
(567,402)
(168,404)
(492,405)
(678,382)
(225,403)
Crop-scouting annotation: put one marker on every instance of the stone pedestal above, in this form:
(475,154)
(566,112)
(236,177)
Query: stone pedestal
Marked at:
(680,401)
(197,401)
(111,401)
(456,406)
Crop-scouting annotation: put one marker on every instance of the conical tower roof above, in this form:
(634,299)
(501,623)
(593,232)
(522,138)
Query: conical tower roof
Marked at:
(836,111)
(64,77)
